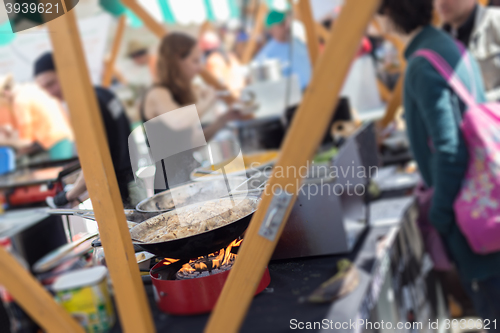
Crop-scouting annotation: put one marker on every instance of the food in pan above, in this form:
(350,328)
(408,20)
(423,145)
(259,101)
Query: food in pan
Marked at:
(197,219)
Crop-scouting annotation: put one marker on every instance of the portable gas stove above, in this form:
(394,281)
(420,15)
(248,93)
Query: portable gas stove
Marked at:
(31,185)
(192,287)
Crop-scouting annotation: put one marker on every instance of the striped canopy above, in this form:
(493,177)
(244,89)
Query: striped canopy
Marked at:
(177,11)
(6,34)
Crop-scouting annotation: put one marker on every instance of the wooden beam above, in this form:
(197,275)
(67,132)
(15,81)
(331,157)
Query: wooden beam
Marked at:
(323,32)
(258,27)
(110,62)
(394,40)
(385,93)
(33,298)
(154,26)
(119,76)
(206,26)
(306,16)
(396,98)
(131,300)
(436,19)
(394,104)
(306,132)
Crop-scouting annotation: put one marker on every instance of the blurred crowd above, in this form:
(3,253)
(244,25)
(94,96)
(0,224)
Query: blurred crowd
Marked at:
(34,116)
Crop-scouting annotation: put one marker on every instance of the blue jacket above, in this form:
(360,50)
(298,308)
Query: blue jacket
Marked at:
(433,113)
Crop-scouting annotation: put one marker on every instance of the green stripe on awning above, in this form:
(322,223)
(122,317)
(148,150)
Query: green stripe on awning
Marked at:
(209,10)
(166,11)
(6,34)
(114,7)
(134,21)
(234,11)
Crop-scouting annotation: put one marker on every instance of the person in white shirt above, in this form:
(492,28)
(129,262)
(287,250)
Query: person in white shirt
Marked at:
(478,28)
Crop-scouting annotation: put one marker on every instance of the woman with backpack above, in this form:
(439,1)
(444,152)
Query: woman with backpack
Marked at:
(433,114)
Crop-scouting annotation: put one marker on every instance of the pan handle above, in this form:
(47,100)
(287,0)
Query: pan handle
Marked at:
(84,213)
(63,211)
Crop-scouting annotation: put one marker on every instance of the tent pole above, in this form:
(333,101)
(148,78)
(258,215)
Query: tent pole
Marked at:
(249,50)
(306,16)
(100,178)
(33,298)
(110,62)
(302,141)
(154,26)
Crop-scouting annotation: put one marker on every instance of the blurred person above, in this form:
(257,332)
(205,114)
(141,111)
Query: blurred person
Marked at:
(478,28)
(117,129)
(141,56)
(30,116)
(432,115)
(292,53)
(366,44)
(179,62)
(240,43)
(221,64)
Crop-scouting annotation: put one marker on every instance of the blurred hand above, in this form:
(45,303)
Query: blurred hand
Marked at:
(60,199)
(232,115)
(7,131)
(208,94)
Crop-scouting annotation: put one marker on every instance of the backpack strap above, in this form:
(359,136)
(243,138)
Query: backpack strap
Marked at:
(466,56)
(443,68)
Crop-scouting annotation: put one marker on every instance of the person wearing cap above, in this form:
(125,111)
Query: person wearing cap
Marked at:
(140,56)
(291,52)
(29,116)
(240,43)
(117,128)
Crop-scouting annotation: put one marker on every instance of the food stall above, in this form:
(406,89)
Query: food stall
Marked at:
(325,261)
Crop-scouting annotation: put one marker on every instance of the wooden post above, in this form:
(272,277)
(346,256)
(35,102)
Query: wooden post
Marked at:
(99,174)
(206,26)
(385,93)
(307,19)
(396,97)
(396,41)
(33,298)
(394,103)
(306,133)
(110,62)
(119,76)
(258,27)
(436,19)
(154,26)
(323,32)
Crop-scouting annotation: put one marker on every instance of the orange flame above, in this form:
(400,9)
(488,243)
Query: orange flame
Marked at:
(219,258)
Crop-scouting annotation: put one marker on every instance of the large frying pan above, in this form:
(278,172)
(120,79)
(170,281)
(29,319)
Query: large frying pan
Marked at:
(196,245)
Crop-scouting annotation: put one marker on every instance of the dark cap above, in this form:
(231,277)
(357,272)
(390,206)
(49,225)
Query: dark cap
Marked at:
(44,63)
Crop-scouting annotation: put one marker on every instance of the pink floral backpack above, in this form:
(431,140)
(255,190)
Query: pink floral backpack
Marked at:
(477,206)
